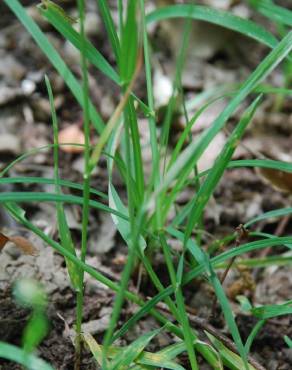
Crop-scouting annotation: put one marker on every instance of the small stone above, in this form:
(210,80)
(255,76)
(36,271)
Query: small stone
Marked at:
(10,143)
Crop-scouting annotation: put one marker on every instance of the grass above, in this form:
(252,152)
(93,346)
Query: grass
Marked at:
(142,219)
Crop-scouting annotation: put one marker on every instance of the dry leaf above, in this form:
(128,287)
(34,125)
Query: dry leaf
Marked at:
(278,179)
(71,135)
(3,241)
(24,245)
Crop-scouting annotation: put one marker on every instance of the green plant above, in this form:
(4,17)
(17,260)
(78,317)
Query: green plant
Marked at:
(142,221)
(30,294)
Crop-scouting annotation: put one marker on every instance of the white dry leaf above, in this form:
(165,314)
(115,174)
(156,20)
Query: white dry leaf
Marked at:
(146,147)
(92,24)
(162,88)
(221,4)
(242,10)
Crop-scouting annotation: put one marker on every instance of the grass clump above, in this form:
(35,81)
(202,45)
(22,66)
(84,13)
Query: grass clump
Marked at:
(142,220)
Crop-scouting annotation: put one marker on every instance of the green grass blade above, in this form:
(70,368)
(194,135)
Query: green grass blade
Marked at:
(19,215)
(94,347)
(273,310)
(129,44)
(204,261)
(288,341)
(29,153)
(187,130)
(230,359)
(260,163)
(128,64)
(64,231)
(182,314)
(274,12)
(159,359)
(52,197)
(128,72)
(187,159)
(214,176)
(271,214)
(151,119)
(228,314)
(221,18)
(110,27)
(136,154)
(16,354)
(65,28)
(35,331)
(253,163)
(48,181)
(259,234)
(122,225)
(234,252)
(133,351)
(54,58)
(259,262)
(253,334)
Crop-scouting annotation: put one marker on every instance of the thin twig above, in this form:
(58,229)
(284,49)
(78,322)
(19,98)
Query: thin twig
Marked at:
(242,234)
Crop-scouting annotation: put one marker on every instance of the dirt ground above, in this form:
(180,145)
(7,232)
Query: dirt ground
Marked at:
(241,195)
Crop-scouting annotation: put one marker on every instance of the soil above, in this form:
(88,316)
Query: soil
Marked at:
(241,195)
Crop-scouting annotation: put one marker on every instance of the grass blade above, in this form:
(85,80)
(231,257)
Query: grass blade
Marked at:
(219,17)
(230,359)
(197,271)
(65,28)
(273,310)
(65,234)
(182,314)
(48,181)
(271,214)
(214,176)
(187,159)
(52,197)
(253,334)
(16,354)
(54,58)
(274,12)
(133,351)
(110,27)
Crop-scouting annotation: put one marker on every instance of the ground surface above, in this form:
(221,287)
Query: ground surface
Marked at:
(242,194)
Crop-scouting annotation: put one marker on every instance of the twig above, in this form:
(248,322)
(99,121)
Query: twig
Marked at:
(242,234)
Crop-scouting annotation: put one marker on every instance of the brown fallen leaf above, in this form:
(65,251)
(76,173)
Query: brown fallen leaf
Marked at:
(3,241)
(280,180)
(71,135)
(22,243)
